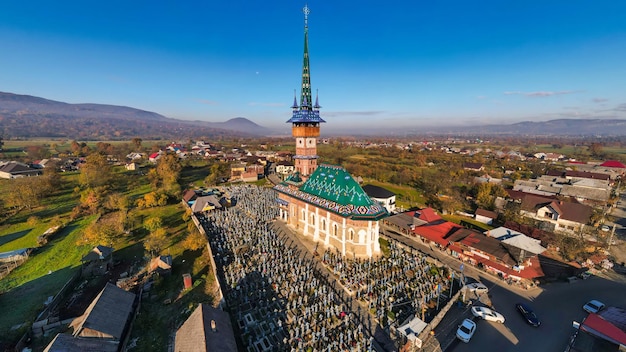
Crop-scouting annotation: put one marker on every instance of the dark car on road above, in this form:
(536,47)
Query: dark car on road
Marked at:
(528,314)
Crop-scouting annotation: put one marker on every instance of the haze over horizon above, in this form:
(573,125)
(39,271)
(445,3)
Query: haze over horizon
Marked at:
(374,64)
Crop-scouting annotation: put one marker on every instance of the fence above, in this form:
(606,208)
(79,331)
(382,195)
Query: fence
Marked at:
(44,315)
(211,260)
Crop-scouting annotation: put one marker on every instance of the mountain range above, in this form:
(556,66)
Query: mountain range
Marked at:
(29,116)
(25,116)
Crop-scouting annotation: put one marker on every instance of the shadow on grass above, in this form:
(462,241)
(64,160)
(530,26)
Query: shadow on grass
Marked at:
(51,211)
(132,252)
(13,236)
(193,173)
(173,220)
(22,304)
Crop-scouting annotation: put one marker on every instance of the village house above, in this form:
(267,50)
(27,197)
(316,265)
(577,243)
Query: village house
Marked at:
(103,326)
(556,215)
(506,260)
(162,265)
(154,157)
(473,167)
(284,168)
(14,169)
(382,195)
(98,261)
(207,329)
(485,216)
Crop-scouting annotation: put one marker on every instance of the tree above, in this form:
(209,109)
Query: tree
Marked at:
(596,150)
(105,148)
(152,199)
(137,143)
(33,220)
(78,148)
(152,224)
(95,172)
(92,198)
(194,240)
(155,241)
(483,196)
(117,201)
(102,231)
(168,170)
(187,214)
(23,193)
(37,152)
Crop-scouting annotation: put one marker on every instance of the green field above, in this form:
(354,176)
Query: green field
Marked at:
(406,196)
(26,288)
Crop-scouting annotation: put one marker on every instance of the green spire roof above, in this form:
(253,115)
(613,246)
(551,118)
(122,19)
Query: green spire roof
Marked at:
(306,101)
(333,188)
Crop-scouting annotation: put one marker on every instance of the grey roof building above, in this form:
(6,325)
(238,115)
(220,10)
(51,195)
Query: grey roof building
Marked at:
(206,329)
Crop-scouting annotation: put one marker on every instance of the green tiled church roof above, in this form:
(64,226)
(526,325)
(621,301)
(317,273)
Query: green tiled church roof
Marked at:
(333,188)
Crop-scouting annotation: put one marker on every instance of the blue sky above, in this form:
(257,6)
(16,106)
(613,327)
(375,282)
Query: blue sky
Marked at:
(412,63)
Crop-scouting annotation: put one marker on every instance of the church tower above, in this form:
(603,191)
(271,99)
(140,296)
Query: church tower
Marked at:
(305,120)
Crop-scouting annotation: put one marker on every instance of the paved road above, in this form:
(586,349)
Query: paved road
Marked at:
(557,306)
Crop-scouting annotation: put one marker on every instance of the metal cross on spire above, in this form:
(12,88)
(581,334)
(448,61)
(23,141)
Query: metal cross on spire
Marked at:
(306,12)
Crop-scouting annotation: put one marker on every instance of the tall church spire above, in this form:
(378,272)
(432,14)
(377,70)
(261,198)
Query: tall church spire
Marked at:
(305,119)
(305,99)
(307,111)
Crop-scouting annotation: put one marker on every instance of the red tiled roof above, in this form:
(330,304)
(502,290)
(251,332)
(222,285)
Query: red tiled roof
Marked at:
(613,163)
(530,272)
(153,155)
(597,325)
(189,195)
(436,233)
(428,214)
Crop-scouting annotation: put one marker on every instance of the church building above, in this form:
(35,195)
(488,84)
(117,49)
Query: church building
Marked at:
(324,202)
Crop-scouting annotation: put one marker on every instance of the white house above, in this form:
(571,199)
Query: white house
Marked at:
(382,195)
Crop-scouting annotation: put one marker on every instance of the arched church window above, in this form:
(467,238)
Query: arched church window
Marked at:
(313,219)
(335,230)
(351,232)
(323,224)
(303,215)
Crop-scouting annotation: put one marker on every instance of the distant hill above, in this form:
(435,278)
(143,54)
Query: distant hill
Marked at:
(241,124)
(29,116)
(570,127)
(560,127)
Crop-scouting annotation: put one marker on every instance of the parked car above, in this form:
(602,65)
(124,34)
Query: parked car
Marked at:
(593,306)
(466,330)
(528,314)
(487,314)
(477,287)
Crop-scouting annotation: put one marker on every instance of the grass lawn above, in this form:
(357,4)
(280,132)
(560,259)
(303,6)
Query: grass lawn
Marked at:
(406,196)
(26,288)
